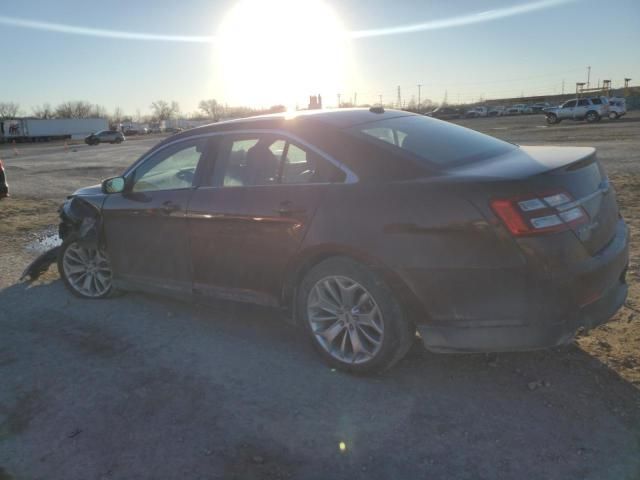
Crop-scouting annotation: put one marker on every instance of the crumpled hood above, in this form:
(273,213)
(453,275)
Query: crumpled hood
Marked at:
(91,190)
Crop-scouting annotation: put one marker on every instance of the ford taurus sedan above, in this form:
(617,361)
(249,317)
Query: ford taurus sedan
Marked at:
(369,227)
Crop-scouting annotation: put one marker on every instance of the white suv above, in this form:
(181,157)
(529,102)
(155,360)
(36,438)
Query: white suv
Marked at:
(590,109)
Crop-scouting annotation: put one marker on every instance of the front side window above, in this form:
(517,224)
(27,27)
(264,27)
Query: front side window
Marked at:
(569,104)
(172,168)
(583,103)
(268,160)
(433,141)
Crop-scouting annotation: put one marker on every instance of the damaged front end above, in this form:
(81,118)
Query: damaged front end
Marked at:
(80,219)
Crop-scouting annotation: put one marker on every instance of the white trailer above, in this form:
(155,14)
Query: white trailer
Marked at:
(36,129)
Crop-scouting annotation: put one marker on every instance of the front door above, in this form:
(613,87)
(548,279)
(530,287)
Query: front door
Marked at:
(567,109)
(146,227)
(250,222)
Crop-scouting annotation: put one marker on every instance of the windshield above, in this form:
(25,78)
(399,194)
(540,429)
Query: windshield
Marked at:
(433,141)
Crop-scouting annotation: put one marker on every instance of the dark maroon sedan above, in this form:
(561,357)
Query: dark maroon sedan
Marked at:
(367,226)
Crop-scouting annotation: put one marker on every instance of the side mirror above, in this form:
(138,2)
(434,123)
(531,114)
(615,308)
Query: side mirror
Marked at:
(113,185)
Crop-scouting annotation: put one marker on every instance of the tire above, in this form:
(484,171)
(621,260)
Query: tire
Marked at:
(552,119)
(118,140)
(383,331)
(613,115)
(592,116)
(73,261)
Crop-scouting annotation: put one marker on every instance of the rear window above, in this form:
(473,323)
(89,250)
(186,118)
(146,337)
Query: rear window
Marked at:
(432,141)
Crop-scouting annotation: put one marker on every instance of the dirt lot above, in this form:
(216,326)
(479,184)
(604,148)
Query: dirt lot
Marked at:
(144,387)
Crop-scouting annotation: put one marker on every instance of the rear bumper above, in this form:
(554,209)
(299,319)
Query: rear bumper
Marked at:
(596,288)
(524,337)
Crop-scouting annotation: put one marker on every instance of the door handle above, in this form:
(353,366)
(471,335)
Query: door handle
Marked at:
(169,207)
(287,209)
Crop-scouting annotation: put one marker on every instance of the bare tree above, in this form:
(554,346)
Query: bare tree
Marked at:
(43,111)
(98,111)
(9,109)
(162,110)
(210,108)
(117,116)
(75,109)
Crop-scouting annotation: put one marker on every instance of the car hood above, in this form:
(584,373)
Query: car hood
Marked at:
(91,190)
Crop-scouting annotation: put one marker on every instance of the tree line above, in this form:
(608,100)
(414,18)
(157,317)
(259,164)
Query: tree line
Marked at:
(209,109)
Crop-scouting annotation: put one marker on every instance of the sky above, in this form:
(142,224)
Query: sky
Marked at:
(259,53)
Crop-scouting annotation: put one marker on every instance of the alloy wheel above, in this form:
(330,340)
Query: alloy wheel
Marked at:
(345,319)
(87,270)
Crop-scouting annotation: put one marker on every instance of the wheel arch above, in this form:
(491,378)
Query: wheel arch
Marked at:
(311,257)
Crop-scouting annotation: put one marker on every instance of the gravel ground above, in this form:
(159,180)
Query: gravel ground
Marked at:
(144,387)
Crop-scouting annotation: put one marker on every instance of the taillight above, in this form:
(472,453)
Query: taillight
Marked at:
(546,213)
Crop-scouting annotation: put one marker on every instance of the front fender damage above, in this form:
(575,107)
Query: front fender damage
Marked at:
(79,219)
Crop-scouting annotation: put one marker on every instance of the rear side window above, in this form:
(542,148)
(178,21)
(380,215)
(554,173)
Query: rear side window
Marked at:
(596,101)
(432,141)
(583,103)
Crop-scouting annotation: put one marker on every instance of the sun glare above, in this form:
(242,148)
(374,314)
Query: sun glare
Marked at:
(279,52)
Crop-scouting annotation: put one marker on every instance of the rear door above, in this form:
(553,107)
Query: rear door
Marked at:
(146,225)
(580,111)
(248,224)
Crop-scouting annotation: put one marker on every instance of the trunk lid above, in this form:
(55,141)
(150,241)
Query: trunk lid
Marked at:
(540,171)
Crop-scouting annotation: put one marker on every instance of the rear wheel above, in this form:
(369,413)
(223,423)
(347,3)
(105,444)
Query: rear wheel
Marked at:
(85,271)
(592,116)
(118,140)
(352,318)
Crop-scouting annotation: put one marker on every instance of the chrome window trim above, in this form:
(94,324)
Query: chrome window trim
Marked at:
(350,177)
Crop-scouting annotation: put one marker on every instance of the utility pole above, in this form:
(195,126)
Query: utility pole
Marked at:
(588,76)
(355,99)
(563,86)
(419,88)
(380,97)
(339,95)
(399,98)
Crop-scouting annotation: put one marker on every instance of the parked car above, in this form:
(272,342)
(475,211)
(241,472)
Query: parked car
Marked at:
(617,108)
(516,109)
(496,111)
(476,112)
(539,107)
(589,109)
(445,113)
(108,136)
(135,131)
(365,225)
(4,186)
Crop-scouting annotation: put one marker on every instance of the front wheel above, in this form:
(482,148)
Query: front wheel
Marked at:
(85,271)
(352,317)
(552,119)
(613,115)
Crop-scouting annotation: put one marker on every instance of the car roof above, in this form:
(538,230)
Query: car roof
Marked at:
(336,118)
